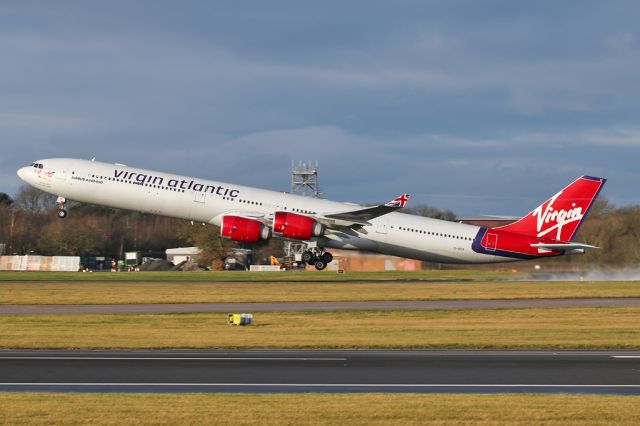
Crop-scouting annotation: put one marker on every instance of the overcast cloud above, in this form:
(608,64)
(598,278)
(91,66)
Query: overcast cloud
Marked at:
(483,107)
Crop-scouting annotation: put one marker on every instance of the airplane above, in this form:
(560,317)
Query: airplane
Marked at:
(249,215)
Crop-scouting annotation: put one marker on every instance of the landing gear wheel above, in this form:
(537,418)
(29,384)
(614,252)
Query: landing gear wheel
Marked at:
(62,202)
(307,257)
(326,257)
(320,265)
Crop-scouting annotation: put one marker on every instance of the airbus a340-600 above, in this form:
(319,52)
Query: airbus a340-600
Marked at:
(249,215)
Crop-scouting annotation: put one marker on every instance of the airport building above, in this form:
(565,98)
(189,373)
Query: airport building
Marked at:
(349,260)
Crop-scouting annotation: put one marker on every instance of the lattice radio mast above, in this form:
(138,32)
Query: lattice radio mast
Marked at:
(304,181)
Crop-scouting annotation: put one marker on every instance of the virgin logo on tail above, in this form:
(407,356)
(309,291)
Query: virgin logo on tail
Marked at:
(555,219)
(560,216)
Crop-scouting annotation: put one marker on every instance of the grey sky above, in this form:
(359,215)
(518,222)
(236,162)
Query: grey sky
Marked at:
(477,106)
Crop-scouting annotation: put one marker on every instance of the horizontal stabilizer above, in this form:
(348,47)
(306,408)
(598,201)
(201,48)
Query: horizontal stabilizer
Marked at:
(563,246)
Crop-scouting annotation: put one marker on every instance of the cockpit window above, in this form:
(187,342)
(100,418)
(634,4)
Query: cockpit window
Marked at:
(38,165)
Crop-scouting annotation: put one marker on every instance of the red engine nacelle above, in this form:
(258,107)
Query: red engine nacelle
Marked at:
(295,226)
(242,229)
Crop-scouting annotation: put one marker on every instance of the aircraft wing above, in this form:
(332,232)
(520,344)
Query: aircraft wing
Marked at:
(266,219)
(343,219)
(362,216)
(563,246)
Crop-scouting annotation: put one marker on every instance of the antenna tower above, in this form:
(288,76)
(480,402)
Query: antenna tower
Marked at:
(304,181)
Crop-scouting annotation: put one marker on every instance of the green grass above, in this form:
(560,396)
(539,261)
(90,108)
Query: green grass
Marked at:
(316,409)
(570,328)
(88,292)
(250,276)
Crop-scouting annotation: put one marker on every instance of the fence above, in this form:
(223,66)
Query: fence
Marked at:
(40,263)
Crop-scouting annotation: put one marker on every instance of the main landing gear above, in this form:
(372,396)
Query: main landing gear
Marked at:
(62,207)
(317,257)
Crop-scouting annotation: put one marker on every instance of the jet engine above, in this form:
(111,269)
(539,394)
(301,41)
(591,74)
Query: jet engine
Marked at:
(295,226)
(238,228)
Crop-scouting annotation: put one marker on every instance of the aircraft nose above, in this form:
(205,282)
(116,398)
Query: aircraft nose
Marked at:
(22,173)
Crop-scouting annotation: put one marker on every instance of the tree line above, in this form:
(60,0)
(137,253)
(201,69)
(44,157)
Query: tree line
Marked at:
(29,225)
(616,230)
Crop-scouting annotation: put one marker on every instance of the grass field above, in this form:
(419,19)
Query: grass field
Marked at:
(506,328)
(316,409)
(571,328)
(90,292)
(462,274)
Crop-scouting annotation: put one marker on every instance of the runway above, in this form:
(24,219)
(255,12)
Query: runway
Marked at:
(27,280)
(319,306)
(340,371)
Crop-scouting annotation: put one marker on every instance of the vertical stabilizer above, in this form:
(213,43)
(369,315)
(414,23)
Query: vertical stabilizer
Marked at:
(560,216)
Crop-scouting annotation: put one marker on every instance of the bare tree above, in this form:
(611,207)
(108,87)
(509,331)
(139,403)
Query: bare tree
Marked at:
(207,239)
(5,199)
(433,212)
(32,200)
(75,236)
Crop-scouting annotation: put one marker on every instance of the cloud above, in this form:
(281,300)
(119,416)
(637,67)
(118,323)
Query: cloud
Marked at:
(611,136)
(617,136)
(43,123)
(437,97)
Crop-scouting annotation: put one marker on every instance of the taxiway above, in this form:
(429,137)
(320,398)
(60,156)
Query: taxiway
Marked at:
(320,306)
(288,371)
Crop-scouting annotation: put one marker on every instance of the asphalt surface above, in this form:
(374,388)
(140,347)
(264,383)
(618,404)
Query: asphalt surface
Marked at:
(240,280)
(586,372)
(317,306)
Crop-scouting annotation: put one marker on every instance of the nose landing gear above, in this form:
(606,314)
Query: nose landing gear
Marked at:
(317,257)
(62,206)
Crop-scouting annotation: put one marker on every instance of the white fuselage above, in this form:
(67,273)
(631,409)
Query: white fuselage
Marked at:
(206,201)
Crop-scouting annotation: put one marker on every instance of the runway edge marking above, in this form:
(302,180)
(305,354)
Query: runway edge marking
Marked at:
(337,385)
(107,358)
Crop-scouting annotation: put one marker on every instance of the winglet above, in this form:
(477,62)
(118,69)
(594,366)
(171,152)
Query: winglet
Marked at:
(399,202)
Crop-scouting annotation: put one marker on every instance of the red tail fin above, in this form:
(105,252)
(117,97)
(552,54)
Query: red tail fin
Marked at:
(560,216)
